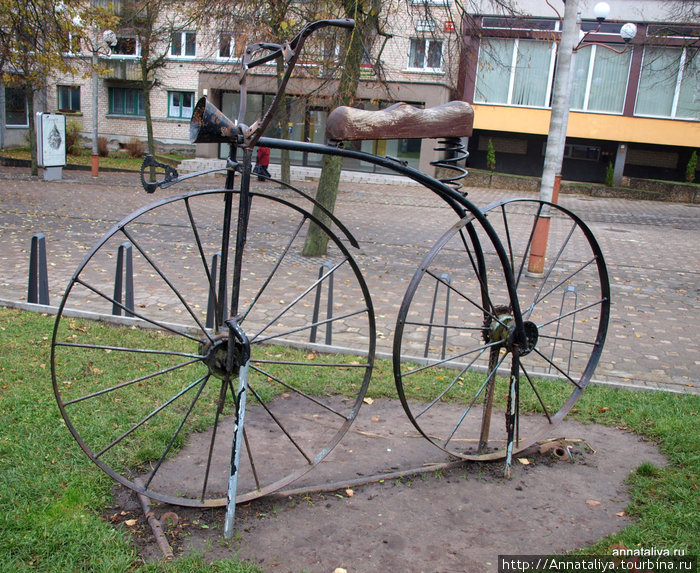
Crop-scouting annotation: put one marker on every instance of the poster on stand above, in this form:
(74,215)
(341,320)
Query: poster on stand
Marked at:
(51,139)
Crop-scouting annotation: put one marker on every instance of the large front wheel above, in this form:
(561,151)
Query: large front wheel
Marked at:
(468,383)
(147,388)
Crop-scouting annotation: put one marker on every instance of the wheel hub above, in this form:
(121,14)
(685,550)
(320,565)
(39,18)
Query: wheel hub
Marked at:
(216,351)
(501,328)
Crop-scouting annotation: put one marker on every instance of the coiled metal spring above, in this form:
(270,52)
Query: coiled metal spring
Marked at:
(455,152)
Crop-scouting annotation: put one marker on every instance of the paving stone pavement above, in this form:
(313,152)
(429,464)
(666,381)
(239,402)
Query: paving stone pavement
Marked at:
(651,248)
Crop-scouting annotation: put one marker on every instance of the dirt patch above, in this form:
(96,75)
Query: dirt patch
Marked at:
(451,520)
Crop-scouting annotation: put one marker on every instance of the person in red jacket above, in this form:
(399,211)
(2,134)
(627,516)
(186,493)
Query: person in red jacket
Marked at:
(262,162)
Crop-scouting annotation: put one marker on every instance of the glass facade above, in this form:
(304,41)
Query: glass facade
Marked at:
(514,72)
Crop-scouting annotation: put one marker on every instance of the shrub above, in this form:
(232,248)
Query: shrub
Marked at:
(691,167)
(134,147)
(491,156)
(610,175)
(73,137)
(102,146)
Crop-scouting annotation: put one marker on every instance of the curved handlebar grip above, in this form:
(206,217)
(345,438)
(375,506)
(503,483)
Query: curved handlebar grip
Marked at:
(348,23)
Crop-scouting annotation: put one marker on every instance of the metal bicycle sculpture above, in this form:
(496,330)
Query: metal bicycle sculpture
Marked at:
(206,398)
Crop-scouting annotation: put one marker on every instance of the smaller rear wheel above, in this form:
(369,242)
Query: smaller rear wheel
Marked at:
(463,375)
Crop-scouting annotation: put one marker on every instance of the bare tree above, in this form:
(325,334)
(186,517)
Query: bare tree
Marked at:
(35,37)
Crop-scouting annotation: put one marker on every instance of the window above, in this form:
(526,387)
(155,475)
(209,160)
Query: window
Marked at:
(425,54)
(126,101)
(15,108)
(226,44)
(183,44)
(68,98)
(74,43)
(126,46)
(600,80)
(514,72)
(180,104)
(669,83)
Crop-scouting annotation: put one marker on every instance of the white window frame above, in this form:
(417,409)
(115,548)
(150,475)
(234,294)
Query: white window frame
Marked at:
(180,93)
(428,42)
(232,45)
(71,89)
(511,78)
(26,110)
(676,92)
(589,82)
(183,45)
(137,48)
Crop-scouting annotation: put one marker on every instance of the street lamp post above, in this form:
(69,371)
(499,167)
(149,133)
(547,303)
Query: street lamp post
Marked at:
(556,138)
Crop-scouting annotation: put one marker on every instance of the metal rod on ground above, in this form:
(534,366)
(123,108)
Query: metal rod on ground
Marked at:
(38,287)
(124,281)
(154,523)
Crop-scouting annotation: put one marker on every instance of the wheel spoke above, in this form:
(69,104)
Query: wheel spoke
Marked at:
(565,374)
(434,363)
(130,382)
(167,281)
(296,390)
(534,389)
(203,260)
(215,428)
(204,379)
(280,425)
(528,246)
(145,419)
(258,340)
(537,298)
(487,380)
(287,308)
(283,254)
(138,315)
(573,312)
(562,282)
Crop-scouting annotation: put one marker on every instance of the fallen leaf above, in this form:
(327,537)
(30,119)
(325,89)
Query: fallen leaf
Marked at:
(621,514)
(524,461)
(350,493)
(605,409)
(131,522)
(592,502)
(368,401)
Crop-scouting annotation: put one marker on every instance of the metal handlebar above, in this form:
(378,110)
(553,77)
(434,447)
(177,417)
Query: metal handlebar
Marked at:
(290,51)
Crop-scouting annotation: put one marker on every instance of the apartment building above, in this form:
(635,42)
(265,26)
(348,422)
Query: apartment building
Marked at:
(637,103)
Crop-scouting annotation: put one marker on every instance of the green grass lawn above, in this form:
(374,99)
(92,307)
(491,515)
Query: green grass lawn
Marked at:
(52,497)
(115,160)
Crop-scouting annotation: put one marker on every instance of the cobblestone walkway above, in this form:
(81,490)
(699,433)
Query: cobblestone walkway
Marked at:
(651,249)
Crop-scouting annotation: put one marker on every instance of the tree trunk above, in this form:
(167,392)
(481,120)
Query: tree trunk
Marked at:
(29,94)
(366,19)
(316,242)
